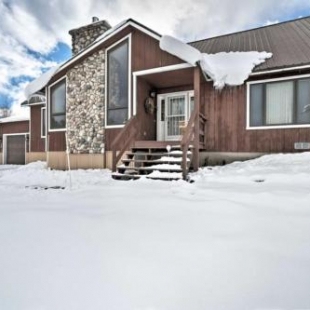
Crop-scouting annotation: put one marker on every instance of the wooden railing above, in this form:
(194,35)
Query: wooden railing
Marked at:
(194,139)
(124,140)
(202,131)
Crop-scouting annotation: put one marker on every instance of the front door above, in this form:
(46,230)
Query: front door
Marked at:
(173,112)
(175,116)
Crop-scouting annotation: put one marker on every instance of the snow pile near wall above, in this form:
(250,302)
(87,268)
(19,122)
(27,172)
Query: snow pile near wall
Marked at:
(230,69)
(40,82)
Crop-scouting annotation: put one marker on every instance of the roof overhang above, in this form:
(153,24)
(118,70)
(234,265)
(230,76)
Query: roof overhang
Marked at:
(281,70)
(161,79)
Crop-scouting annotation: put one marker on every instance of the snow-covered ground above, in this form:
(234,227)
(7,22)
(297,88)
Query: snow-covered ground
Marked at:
(236,238)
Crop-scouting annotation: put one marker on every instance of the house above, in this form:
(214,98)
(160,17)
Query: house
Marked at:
(14,135)
(125,100)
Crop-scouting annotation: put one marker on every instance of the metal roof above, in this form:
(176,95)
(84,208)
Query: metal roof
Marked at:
(289,42)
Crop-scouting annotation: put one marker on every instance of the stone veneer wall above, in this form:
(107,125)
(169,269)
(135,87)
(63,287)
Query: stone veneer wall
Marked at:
(85,105)
(84,36)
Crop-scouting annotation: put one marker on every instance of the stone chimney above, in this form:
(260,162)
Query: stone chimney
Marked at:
(85,35)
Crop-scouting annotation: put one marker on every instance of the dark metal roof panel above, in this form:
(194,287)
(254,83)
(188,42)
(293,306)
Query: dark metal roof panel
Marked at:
(289,42)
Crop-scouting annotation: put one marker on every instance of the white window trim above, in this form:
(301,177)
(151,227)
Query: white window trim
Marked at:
(4,145)
(49,105)
(43,113)
(248,85)
(128,37)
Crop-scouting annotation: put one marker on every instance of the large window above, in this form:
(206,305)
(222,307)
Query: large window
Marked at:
(280,103)
(117,84)
(58,105)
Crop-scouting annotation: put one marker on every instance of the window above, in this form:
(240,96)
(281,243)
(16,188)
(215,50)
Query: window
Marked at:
(58,105)
(279,103)
(117,84)
(43,122)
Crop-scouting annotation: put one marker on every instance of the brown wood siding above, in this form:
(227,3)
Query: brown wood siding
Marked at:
(226,126)
(147,122)
(14,127)
(56,141)
(37,144)
(146,53)
(110,134)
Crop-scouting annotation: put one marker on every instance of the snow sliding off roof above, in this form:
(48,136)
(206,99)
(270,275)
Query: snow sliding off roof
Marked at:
(230,69)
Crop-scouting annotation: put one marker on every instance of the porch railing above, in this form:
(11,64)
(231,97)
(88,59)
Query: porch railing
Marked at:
(193,139)
(124,140)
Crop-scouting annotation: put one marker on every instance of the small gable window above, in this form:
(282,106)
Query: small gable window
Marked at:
(279,103)
(117,84)
(58,105)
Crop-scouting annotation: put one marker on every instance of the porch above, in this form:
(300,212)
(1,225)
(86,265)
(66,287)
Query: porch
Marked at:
(166,131)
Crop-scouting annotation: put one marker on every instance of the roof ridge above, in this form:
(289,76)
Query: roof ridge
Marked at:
(253,29)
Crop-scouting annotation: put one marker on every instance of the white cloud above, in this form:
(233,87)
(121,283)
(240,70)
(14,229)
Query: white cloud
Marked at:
(39,25)
(17,63)
(183,18)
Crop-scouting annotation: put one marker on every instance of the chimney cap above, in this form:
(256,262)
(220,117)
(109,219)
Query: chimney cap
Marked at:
(95,19)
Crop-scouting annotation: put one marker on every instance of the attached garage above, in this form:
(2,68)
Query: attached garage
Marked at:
(15,150)
(14,140)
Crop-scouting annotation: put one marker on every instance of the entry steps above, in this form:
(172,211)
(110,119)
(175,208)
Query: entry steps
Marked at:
(154,162)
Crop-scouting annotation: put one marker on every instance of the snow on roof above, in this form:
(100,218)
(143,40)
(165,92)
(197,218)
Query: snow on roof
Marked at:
(232,68)
(40,82)
(223,68)
(182,50)
(14,118)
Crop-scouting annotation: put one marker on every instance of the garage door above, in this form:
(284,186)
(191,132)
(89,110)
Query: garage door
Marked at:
(15,150)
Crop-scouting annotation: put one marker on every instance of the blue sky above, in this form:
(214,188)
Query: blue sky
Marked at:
(34,33)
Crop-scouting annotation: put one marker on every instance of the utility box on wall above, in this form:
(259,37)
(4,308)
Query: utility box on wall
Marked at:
(302,146)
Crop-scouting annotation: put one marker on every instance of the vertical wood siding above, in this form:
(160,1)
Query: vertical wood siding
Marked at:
(226,126)
(56,141)
(37,144)
(146,54)
(14,127)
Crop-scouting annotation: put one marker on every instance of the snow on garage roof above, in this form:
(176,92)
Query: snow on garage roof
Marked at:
(14,118)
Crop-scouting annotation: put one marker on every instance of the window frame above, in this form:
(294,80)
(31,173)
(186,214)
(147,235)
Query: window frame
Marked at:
(128,37)
(294,78)
(43,124)
(49,105)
